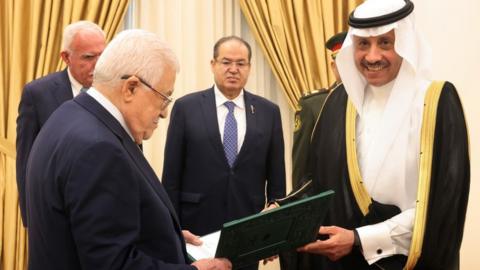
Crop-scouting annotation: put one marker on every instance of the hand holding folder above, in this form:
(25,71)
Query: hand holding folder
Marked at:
(246,241)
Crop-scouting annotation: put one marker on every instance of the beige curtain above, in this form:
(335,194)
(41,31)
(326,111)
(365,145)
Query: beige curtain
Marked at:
(30,43)
(191,27)
(292,34)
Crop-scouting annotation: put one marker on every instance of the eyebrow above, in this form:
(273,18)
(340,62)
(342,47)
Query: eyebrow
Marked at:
(233,60)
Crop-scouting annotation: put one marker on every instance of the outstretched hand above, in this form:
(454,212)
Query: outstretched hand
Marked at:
(339,243)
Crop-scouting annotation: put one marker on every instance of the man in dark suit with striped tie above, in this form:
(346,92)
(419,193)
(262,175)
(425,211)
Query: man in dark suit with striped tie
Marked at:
(82,44)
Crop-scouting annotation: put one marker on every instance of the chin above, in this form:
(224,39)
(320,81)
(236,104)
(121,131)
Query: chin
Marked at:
(147,135)
(374,83)
(375,80)
(231,87)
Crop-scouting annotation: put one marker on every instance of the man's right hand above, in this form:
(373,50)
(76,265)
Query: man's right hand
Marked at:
(213,264)
(339,243)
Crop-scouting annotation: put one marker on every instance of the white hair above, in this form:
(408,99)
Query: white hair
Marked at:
(73,29)
(134,52)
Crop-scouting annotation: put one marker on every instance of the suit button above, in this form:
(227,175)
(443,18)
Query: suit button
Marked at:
(379,251)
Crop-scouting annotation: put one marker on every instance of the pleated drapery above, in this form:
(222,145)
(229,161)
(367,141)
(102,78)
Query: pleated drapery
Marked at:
(292,35)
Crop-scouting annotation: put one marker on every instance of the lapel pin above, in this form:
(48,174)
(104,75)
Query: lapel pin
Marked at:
(252,109)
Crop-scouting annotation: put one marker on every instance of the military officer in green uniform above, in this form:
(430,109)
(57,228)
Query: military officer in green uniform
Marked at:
(305,118)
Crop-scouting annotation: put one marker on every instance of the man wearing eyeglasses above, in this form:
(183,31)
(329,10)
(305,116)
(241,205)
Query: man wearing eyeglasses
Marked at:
(93,200)
(224,155)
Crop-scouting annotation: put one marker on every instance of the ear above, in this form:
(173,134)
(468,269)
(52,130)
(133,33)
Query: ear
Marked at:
(333,65)
(129,89)
(212,64)
(65,57)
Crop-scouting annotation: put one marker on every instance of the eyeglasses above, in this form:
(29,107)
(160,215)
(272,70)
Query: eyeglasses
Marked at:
(166,99)
(225,63)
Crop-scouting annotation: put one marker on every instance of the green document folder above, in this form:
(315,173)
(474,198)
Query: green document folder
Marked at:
(246,241)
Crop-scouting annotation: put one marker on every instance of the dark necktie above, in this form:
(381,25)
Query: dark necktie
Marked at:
(230,142)
(83,89)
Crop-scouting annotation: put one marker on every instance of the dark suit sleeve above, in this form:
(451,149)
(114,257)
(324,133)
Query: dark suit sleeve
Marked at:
(27,129)
(174,156)
(102,199)
(276,160)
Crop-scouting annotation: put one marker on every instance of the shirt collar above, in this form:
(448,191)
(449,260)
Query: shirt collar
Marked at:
(220,99)
(76,86)
(110,107)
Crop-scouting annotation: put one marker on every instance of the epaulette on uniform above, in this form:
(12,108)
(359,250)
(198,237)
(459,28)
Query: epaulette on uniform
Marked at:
(310,101)
(315,93)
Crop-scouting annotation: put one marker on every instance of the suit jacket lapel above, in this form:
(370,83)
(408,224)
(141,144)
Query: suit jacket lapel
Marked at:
(209,109)
(132,148)
(62,91)
(251,117)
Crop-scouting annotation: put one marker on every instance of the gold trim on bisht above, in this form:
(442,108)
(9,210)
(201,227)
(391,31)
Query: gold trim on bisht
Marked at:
(359,191)
(335,86)
(426,154)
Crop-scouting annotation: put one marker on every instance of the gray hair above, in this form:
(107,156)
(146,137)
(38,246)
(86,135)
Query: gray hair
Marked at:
(134,52)
(74,28)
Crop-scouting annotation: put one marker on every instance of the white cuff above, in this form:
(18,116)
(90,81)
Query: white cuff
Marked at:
(376,242)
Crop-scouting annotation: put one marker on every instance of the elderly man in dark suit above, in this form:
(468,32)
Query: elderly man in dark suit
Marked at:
(224,155)
(93,200)
(83,42)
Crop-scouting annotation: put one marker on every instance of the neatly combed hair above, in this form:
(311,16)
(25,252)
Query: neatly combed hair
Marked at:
(71,30)
(134,52)
(225,39)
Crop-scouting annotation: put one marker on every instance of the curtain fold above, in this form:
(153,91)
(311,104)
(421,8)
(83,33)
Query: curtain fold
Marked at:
(30,42)
(292,34)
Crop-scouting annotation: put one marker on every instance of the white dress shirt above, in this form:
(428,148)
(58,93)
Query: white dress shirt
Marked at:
(396,181)
(112,109)
(239,112)
(76,86)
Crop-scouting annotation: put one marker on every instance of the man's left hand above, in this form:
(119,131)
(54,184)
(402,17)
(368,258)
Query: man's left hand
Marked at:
(191,238)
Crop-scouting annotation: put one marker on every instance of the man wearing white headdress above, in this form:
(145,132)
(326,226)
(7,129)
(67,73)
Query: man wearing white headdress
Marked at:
(394,147)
